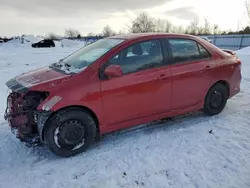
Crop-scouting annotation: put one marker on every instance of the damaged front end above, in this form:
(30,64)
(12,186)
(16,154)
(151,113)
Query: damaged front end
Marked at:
(23,116)
(25,110)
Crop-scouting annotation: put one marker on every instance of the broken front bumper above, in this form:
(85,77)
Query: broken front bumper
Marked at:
(30,133)
(25,121)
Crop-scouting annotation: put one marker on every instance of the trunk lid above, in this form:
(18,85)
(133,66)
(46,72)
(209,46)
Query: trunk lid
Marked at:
(229,51)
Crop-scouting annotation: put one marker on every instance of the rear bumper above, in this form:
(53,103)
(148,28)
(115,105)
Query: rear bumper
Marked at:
(234,91)
(235,81)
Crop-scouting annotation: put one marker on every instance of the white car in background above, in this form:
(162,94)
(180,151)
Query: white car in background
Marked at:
(207,39)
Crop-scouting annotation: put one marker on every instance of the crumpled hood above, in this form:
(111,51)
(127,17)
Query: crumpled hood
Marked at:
(34,78)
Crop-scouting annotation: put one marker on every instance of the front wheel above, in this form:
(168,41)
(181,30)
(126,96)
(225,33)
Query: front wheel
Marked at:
(216,99)
(70,132)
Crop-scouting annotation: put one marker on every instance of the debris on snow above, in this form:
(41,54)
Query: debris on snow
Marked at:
(76,176)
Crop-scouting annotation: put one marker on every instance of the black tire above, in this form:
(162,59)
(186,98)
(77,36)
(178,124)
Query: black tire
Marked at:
(216,99)
(82,128)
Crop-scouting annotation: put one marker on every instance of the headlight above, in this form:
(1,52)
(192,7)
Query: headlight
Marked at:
(52,102)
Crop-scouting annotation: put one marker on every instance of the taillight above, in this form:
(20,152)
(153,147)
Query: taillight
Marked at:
(239,62)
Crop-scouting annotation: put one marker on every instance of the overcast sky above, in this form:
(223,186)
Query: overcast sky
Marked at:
(43,16)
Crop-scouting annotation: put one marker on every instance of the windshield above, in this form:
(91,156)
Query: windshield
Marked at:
(84,57)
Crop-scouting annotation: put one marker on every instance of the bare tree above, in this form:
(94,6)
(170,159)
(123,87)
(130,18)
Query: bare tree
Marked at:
(163,26)
(160,25)
(193,28)
(121,32)
(200,30)
(52,36)
(168,26)
(143,23)
(216,29)
(71,33)
(107,31)
(90,34)
(178,29)
(207,27)
(247,4)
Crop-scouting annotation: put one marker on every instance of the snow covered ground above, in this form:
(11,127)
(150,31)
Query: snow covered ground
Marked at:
(30,39)
(177,153)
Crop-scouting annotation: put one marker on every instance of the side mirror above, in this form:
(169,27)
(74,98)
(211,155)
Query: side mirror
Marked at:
(113,71)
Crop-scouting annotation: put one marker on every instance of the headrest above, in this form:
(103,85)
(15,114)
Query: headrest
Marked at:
(154,49)
(137,49)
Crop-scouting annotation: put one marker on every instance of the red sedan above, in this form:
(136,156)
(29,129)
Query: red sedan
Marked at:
(119,82)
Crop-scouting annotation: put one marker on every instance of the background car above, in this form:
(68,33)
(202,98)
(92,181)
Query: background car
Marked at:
(47,43)
(207,39)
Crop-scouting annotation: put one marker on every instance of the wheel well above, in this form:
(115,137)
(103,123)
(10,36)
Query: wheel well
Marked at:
(93,115)
(225,83)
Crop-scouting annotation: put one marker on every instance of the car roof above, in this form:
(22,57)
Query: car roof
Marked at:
(148,35)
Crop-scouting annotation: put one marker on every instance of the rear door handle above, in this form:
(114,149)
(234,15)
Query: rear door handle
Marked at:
(208,67)
(162,77)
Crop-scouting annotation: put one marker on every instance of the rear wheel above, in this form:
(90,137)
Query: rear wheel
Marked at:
(70,132)
(216,99)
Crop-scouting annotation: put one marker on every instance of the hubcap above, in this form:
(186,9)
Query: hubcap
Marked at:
(70,135)
(216,99)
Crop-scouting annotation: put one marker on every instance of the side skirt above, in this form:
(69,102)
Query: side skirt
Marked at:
(128,124)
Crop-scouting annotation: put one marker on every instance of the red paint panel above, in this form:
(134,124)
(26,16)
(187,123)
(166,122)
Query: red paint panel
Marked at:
(136,95)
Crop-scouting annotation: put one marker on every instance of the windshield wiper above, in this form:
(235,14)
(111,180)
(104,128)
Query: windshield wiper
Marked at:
(67,65)
(56,65)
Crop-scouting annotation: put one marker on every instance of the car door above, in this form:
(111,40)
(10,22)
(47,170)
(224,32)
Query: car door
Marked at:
(46,43)
(190,72)
(41,43)
(143,89)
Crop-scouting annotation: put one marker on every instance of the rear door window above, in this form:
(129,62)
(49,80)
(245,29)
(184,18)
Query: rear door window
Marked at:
(203,52)
(187,50)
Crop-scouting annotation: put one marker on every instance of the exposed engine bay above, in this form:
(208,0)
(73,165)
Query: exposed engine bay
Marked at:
(22,115)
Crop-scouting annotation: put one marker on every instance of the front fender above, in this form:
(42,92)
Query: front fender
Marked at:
(42,117)
(95,106)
